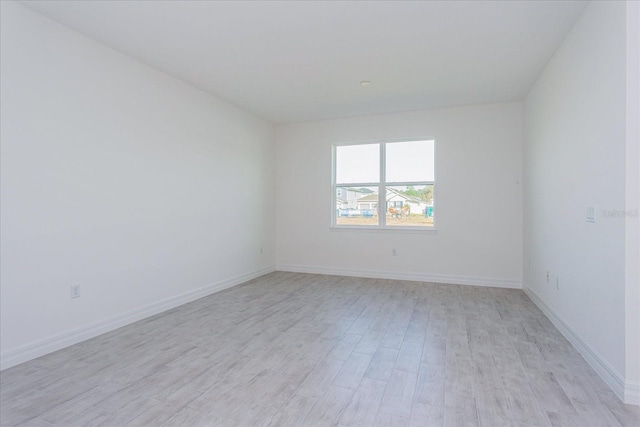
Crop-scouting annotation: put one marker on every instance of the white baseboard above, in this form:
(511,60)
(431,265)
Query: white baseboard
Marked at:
(48,345)
(394,275)
(632,393)
(627,391)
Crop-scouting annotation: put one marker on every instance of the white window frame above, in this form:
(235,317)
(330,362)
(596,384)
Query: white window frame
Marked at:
(382,186)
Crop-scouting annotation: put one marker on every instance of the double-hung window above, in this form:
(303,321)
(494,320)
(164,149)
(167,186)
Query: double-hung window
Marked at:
(384,184)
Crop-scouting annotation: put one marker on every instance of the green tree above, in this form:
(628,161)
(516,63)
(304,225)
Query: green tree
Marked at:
(425,194)
(411,191)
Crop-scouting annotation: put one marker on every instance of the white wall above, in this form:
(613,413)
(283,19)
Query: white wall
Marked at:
(478,199)
(632,224)
(145,191)
(575,153)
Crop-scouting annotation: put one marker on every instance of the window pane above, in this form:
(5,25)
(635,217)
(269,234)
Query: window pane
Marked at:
(357,206)
(410,161)
(410,206)
(358,163)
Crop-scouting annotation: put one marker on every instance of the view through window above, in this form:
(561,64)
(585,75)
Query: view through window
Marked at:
(384,184)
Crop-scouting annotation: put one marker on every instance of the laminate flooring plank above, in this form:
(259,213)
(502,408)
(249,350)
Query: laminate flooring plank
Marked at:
(278,389)
(382,364)
(522,403)
(492,406)
(343,348)
(10,416)
(485,371)
(394,335)
(430,387)
(460,411)
(189,417)
(294,412)
(416,330)
(300,369)
(42,400)
(190,390)
(460,376)
(423,415)
(458,344)
(479,343)
(37,422)
(92,419)
(516,331)
(124,413)
(389,420)
(254,415)
(595,380)
(534,327)
(578,388)
(320,348)
(508,362)
(319,380)
(156,415)
(224,398)
(499,338)
(627,415)
(398,397)
(68,412)
(554,349)
(434,351)
(370,341)
(597,414)
(361,324)
(530,355)
(269,388)
(163,383)
(549,393)
(21,379)
(564,419)
(410,356)
(329,408)
(363,407)
(353,370)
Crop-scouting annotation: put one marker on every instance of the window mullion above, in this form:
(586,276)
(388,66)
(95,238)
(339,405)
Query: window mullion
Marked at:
(333,185)
(382,196)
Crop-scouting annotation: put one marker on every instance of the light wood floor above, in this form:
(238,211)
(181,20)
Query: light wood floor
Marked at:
(302,350)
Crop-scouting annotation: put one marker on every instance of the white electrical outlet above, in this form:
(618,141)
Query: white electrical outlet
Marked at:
(75,291)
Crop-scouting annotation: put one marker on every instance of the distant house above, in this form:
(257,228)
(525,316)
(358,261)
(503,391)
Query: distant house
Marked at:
(370,201)
(395,199)
(347,197)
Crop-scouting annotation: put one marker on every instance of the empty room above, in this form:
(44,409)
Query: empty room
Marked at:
(301,213)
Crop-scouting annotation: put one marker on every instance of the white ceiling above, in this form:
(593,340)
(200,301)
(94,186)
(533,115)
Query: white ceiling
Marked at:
(290,61)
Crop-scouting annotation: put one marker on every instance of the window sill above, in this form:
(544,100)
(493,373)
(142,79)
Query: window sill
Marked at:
(402,230)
